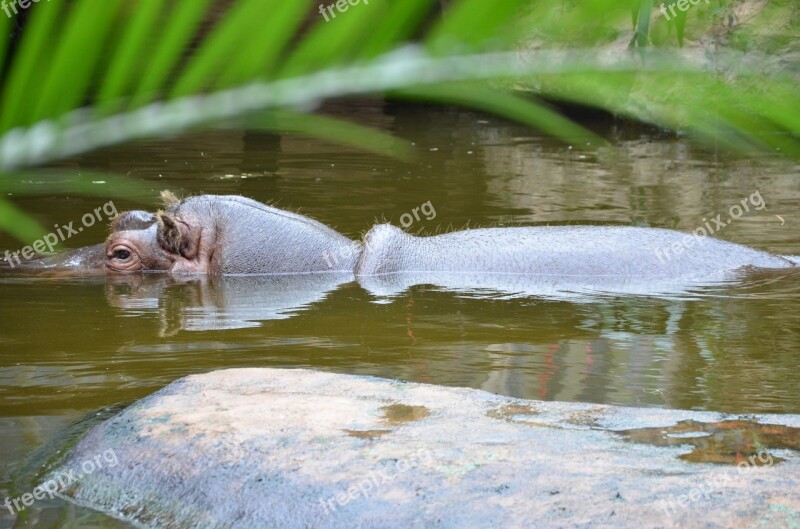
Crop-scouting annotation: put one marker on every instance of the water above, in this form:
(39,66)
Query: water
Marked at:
(75,350)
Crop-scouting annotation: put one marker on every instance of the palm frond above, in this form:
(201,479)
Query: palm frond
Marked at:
(85,75)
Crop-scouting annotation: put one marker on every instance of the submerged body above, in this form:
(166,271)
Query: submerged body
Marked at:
(619,251)
(217,235)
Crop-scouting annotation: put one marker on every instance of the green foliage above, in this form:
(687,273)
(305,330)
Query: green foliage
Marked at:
(641,11)
(49,182)
(86,74)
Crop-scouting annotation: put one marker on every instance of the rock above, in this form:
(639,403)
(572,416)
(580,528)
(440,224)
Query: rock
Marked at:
(297,448)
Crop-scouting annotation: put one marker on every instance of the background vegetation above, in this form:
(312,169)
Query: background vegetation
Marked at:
(79,75)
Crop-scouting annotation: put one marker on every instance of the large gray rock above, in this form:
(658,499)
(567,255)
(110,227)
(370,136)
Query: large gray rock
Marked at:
(268,448)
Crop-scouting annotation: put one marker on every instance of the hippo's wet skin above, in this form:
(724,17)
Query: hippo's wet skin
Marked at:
(218,235)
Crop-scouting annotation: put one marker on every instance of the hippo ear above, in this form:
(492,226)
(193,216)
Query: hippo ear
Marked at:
(175,237)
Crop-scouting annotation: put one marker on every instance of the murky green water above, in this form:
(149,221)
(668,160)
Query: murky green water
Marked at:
(73,348)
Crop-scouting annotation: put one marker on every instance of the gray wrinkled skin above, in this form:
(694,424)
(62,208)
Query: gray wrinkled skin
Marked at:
(219,235)
(251,238)
(557,250)
(226,235)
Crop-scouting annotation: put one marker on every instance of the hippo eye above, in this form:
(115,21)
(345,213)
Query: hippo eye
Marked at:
(123,257)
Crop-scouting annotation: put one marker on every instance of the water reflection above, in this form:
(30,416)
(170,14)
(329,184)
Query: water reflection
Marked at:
(574,288)
(212,303)
(218,303)
(138,331)
(695,352)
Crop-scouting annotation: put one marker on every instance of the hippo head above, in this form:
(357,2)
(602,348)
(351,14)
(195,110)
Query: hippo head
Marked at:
(144,241)
(210,234)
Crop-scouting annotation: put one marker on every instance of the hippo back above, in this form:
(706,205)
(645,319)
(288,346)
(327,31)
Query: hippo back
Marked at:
(252,238)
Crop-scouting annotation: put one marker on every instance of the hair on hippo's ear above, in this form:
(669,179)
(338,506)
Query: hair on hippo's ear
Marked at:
(169,198)
(175,237)
(168,234)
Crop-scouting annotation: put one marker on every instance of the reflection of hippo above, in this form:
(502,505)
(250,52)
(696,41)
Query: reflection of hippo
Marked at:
(223,302)
(234,235)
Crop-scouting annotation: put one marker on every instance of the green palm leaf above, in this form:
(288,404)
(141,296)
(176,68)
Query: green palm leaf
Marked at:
(86,75)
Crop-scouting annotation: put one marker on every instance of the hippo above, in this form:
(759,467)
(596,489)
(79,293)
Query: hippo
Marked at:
(224,235)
